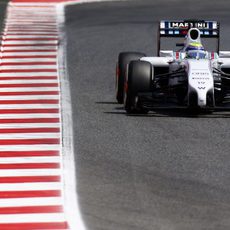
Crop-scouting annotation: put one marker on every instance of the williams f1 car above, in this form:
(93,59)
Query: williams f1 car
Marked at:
(190,77)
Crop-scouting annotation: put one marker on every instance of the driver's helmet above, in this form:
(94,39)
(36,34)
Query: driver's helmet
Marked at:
(195,50)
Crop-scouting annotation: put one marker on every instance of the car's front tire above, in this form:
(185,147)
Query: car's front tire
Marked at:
(138,80)
(124,59)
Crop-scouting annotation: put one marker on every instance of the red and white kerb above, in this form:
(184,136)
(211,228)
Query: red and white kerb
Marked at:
(30,138)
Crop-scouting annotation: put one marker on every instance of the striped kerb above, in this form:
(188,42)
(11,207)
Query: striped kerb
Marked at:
(31,183)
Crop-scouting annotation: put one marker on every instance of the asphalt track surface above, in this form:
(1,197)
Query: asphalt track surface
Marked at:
(164,171)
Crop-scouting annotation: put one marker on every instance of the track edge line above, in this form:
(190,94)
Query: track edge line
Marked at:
(71,206)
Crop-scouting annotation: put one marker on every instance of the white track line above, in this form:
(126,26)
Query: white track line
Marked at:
(30,106)
(29,74)
(29,125)
(31,36)
(18,202)
(29,147)
(72,207)
(32,218)
(29,136)
(5,60)
(28,82)
(35,22)
(28,67)
(27,89)
(51,42)
(50,159)
(32,32)
(16,54)
(30,187)
(29,115)
(34,48)
(29,172)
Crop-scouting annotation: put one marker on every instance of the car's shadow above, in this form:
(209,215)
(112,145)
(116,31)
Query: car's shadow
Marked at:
(166,112)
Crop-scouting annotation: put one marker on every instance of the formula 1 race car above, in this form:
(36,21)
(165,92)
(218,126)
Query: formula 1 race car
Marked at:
(189,78)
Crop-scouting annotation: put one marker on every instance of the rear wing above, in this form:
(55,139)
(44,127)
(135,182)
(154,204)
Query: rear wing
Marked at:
(179,28)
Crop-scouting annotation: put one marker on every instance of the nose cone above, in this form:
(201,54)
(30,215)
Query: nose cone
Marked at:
(200,80)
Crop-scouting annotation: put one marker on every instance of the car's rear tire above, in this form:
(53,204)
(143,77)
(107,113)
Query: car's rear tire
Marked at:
(138,80)
(124,59)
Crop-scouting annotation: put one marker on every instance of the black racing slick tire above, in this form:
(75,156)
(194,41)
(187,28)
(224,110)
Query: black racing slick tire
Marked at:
(138,80)
(124,59)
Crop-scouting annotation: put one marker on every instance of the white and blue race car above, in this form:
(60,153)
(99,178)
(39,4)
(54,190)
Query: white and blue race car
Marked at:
(189,78)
